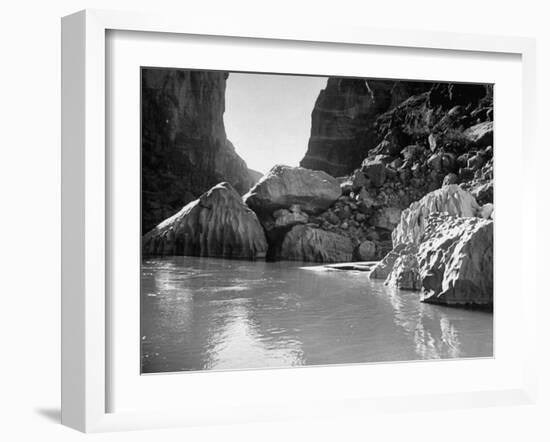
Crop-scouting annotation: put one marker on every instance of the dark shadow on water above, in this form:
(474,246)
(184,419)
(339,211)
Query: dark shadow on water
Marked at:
(51,414)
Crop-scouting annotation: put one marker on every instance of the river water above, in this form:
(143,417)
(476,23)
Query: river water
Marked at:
(205,313)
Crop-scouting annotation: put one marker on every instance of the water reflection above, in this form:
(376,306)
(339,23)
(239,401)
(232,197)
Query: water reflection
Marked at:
(200,313)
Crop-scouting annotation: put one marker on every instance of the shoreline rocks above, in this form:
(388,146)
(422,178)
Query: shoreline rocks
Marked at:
(456,262)
(218,224)
(443,246)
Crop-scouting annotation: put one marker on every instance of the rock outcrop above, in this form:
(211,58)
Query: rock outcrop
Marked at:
(304,243)
(286,186)
(396,142)
(443,246)
(343,117)
(455,262)
(450,199)
(481,134)
(185,150)
(218,224)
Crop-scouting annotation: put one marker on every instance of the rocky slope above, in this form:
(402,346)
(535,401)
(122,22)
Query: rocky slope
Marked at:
(218,224)
(396,142)
(185,150)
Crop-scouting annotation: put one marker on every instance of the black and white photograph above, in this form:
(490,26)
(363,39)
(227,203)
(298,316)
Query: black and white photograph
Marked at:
(294,220)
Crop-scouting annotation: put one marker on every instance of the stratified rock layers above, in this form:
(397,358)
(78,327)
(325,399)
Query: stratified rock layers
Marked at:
(185,150)
(218,224)
(339,127)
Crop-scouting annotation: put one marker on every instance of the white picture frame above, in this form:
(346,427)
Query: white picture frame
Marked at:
(85,199)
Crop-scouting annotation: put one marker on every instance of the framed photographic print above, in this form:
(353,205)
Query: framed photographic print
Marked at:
(277,222)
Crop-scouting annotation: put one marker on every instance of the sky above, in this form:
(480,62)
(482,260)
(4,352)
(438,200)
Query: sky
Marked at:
(268,117)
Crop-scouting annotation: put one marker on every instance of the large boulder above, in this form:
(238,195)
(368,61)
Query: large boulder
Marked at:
(218,224)
(450,199)
(305,243)
(375,170)
(443,246)
(481,134)
(456,262)
(284,186)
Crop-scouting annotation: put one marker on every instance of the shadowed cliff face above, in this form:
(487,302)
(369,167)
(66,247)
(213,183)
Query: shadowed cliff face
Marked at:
(185,150)
(342,121)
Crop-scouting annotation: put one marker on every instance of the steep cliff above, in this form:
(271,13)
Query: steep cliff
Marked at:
(342,121)
(185,150)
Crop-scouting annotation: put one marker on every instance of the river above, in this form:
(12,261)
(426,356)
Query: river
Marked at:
(215,314)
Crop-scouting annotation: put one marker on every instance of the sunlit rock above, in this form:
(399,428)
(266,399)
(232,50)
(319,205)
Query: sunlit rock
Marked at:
(481,134)
(284,186)
(218,224)
(456,262)
(450,199)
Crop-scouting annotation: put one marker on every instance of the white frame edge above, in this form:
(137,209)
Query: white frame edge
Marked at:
(84,383)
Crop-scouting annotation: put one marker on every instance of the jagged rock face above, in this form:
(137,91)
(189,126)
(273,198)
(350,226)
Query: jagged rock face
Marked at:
(456,262)
(185,150)
(218,224)
(304,243)
(452,262)
(286,186)
(450,199)
(384,267)
(343,121)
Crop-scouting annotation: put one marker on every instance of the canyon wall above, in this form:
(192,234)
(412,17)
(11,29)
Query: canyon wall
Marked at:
(185,150)
(343,119)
